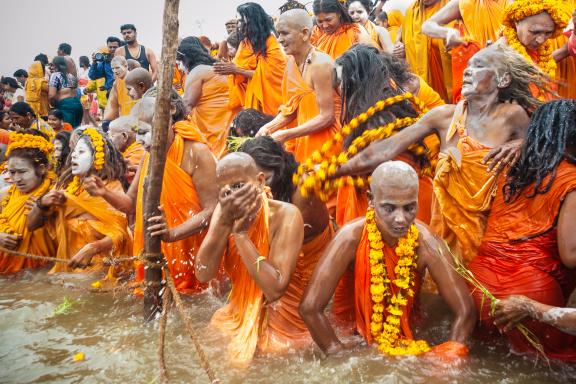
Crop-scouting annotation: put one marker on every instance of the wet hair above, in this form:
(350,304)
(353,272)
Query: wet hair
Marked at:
(84,62)
(366,79)
(270,155)
(22,108)
(332,6)
(250,120)
(257,25)
(399,70)
(64,138)
(127,27)
(234,39)
(11,82)
(192,53)
(366,4)
(42,58)
(56,113)
(66,48)
(114,39)
(34,155)
(552,129)
(114,164)
(20,73)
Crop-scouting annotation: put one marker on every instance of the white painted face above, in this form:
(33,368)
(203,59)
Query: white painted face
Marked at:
(82,158)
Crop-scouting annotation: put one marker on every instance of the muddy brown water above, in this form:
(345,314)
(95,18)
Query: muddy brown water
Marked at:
(37,345)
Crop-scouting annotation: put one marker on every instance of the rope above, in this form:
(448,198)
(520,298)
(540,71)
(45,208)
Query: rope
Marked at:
(190,328)
(53,259)
(166,301)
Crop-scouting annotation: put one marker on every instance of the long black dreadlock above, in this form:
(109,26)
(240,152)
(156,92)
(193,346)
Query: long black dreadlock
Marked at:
(256,26)
(271,156)
(552,129)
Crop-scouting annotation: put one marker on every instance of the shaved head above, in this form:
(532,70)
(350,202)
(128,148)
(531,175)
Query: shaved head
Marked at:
(296,18)
(138,81)
(122,132)
(123,124)
(294,28)
(396,174)
(238,168)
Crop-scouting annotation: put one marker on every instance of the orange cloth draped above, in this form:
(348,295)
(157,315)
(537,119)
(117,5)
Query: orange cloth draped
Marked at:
(372,30)
(300,98)
(244,317)
(463,193)
(67,127)
(263,90)
(566,70)
(336,43)
(428,96)
(37,242)
(85,219)
(395,19)
(178,80)
(286,329)
(427,57)
(180,201)
(519,256)
(37,89)
(125,102)
(134,153)
(211,114)
(362,297)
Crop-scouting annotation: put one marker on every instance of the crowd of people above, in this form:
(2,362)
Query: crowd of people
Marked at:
(323,164)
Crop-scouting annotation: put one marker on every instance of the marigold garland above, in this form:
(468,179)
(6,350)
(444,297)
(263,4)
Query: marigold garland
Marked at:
(318,180)
(98,145)
(74,186)
(521,9)
(388,308)
(25,140)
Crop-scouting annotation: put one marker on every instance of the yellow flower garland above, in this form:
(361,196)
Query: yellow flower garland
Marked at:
(387,333)
(74,186)
(521,9)
(25,140)
(98,145)
(317,181)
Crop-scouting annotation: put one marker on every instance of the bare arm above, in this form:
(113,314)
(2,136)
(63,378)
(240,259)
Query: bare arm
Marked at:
(124,202)
(53,96)
(378,152)
(338,256)
(193,89)
(280,121)
(566,238)
(561,53)
(153,64)
(43,209)
(434,26)
(436,257)
(273,275)
(112,110)
(385,39)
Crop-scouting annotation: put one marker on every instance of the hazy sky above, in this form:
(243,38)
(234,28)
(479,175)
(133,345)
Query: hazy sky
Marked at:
(30,27)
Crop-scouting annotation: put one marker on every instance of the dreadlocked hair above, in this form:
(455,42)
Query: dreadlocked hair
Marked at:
(114,163)
(248,121)
(271,156)
(366,79)
(192,53)
(552,128)
(524,76)
(257,26)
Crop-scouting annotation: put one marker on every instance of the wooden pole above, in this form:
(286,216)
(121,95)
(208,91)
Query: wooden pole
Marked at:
(153,259)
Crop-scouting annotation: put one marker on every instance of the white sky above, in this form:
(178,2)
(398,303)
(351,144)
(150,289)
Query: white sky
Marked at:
(30,27)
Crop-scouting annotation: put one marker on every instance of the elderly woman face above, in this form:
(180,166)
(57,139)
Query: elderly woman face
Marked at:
(533,31)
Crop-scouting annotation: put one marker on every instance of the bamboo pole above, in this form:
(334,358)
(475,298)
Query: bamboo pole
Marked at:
(153,259)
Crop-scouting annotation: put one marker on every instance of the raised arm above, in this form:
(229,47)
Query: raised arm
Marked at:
(124,202)
(385,39)
(434,255)
(338,256)
(43,209)
(151,56)
(434,26)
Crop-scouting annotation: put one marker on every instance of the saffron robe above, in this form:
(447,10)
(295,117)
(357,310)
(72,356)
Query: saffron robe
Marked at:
(395,19)
(125,102)
(372,30)
(36,89)
(335,44)
(180,202)
(519,256)
(264,90)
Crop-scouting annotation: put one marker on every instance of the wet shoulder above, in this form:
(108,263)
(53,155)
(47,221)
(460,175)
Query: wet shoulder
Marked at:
(351,233)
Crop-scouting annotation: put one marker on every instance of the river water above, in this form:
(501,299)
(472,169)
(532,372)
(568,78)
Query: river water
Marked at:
(37,345)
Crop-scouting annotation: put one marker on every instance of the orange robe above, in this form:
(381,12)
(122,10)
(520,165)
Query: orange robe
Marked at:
(300,98)
(519,256)
(463,192)
(264,90)
(37,242)
(133,156)
(565,70)
(337,43)
(427,57)
(395,19)
(372,30)
(180,201)
(85,219)
(363,299)
(37,89)
(125,102)
(211,114)
(178,80)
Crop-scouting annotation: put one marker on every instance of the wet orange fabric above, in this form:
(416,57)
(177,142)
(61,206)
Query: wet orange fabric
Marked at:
(427,57)
(286,329)
(264,90)
(211,114)
(362,297)
(37,242)
(125,102)
(300,98)
(463,192)
(178,80)
(371,28)
(335,44)
(134,153)
(395,19)
(565,70)
(85,219)
(244,317)
(37,89)
(180,202)
(519,256)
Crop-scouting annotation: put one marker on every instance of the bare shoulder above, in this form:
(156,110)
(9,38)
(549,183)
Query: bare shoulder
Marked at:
(202,72)
(350,234)
(514,118)
(322,59)
(281,211)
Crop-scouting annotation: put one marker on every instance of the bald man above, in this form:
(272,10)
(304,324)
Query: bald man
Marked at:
(372,247)
(259,240)
(307,90)
(138,81)
(122,133)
